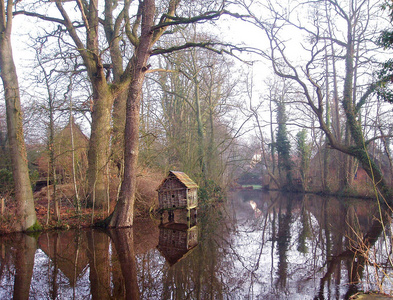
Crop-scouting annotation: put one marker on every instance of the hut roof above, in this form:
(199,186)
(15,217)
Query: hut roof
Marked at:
(173,255)
(77,131)
(183,178)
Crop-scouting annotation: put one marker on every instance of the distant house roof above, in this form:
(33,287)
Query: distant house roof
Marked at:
(183,178)
(77,131)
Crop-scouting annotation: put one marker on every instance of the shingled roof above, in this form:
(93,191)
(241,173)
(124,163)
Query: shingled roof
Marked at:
(183,178)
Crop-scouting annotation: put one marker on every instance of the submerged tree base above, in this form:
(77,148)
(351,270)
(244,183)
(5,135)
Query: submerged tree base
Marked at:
(104,223)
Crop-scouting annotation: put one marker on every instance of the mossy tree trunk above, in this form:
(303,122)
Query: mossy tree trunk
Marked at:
(112,27)
(23,192)
(123,213)
(283,147)
(359,148)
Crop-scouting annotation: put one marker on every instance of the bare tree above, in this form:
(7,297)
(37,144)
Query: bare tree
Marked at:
(27,219)
(195,96)
(110,75)
(51,142)
(352,48)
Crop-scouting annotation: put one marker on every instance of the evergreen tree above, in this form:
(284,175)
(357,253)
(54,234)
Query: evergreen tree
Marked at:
(385,75)
(282,144)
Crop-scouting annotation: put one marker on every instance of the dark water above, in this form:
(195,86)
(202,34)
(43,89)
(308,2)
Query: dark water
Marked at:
(257,246)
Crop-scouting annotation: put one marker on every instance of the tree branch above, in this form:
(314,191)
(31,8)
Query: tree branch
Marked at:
(208,46)
(39,16)
(132,32)
(158,32)
(211,15)
(377,138)
(160,70)
(84,18)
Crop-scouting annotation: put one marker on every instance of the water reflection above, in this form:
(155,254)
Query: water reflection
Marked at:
(67,260)
(24,262)
(127,286)
(258,246)
(176,240)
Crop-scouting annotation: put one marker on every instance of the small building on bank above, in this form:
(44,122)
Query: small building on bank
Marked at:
(177,191)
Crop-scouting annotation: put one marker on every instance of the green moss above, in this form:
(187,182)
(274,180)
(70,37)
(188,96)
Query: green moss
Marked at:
(35,227)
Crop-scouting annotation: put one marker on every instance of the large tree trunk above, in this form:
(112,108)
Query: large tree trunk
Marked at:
(123,214)
(98,155)
(112,32)
(23,193)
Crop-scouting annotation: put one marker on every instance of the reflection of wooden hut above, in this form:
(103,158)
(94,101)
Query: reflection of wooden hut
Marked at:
(176,240)
(68,256)
(177,191)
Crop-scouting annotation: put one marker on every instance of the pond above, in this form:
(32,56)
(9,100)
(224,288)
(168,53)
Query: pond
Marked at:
(258,245)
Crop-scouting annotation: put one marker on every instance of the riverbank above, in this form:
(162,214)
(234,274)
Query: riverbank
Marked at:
(87,217)
(369,195)
(69,216)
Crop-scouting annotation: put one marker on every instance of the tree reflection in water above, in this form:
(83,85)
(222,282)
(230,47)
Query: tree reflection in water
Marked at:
(24,262)
(257,246)
(123,240)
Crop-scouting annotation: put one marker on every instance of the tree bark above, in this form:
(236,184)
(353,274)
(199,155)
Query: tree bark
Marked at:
(98,155)
(23,192)
(124,211)
(112,29)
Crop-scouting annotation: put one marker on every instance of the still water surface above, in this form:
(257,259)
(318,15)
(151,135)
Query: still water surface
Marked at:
(257,246)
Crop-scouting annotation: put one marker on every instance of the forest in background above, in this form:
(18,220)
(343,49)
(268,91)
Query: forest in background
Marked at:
(117,94)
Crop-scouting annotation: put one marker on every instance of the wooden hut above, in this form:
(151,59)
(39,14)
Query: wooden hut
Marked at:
(176,241)
(177,191)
